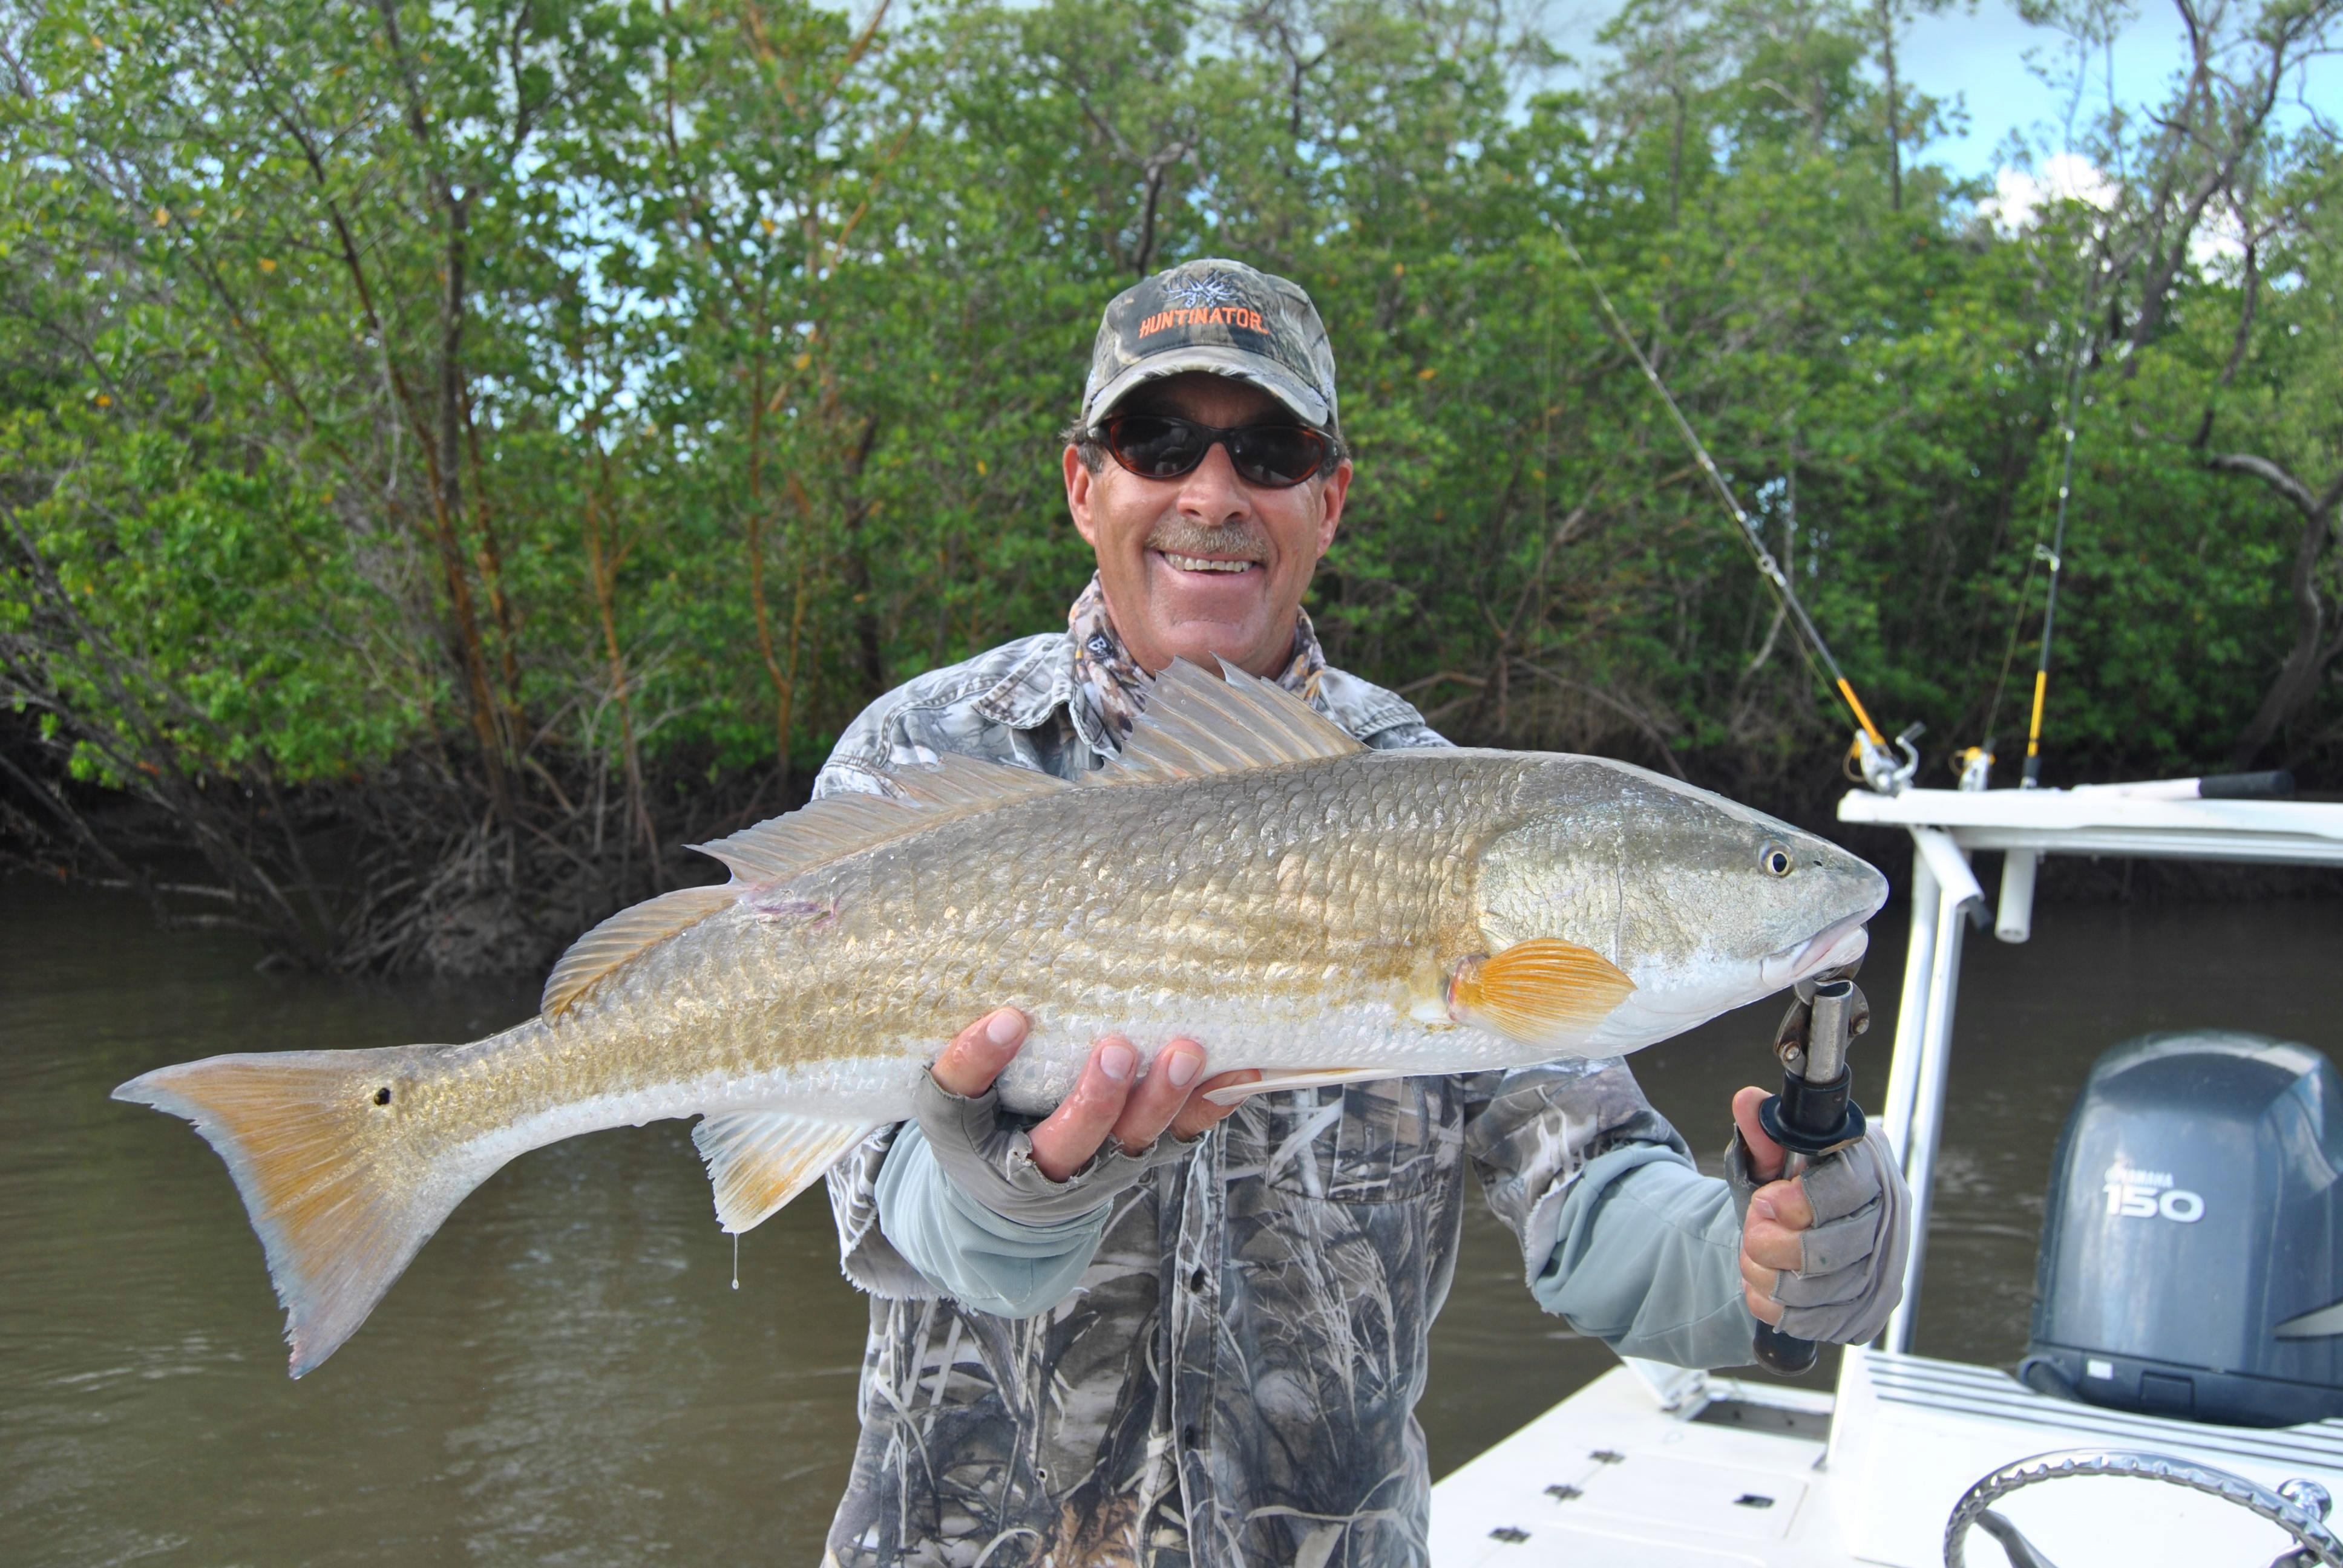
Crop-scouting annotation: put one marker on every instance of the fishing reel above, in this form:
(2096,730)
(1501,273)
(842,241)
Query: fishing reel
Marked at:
(1871,763)
(1974,768)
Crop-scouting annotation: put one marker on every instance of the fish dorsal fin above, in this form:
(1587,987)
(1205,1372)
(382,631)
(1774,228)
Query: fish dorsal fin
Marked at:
(954,783)
(760,1160)
(1198,723)
(838,825)
(624,935)
(917,797)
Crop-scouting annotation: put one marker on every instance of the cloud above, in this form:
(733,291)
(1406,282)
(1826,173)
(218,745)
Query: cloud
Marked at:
(2021,194)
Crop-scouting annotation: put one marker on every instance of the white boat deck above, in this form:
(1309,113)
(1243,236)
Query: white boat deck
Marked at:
(1611,1478)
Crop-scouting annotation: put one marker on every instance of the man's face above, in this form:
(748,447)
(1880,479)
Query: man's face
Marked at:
(1154,537)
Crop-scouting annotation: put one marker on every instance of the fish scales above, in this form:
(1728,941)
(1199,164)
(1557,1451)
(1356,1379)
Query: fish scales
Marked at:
(1299,905)
(1236,906)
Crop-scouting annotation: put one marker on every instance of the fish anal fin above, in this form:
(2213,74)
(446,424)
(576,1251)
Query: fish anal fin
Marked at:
(836,826)
(624,935)
(1312,1078)
(760,1160)
(1198,723)
(1544,989)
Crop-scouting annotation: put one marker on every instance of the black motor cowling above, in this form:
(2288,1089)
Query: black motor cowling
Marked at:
(2192,1248)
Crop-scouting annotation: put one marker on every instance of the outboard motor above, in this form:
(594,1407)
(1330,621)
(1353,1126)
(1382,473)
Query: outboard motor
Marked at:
(2192,1248)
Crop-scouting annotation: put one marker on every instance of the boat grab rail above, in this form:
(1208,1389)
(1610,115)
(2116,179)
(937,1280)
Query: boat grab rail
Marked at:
(2298,1507)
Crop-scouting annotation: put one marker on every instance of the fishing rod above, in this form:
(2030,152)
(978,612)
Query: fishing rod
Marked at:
(1978,760)
(1813,1116)
(2053,559)
(1974,763)
(1880,768)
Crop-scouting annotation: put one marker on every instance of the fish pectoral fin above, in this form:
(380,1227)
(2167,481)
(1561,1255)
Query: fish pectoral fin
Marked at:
(1537,991)
(1315,1078)
(760,1160)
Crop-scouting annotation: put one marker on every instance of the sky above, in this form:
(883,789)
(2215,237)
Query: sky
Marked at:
(1979,58)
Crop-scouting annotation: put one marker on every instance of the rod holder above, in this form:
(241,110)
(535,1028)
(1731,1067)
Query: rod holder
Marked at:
(2013,921)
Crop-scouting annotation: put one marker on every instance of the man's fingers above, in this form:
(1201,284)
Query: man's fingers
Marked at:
(1764,1154)
(975,1058)
(1758,1278)
(1159,1095)
(1787,1199)
(1200,1113)
(1762,1307)
(1071,1134)
(1772,1244)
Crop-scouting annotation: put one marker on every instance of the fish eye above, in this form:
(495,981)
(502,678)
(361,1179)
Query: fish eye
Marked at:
(1775,860)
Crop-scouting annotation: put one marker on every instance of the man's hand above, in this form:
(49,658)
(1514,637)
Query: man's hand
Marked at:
(1112,1098)
(1825,1251)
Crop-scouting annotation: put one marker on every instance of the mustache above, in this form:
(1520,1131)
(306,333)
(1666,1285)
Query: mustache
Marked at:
(1184,536)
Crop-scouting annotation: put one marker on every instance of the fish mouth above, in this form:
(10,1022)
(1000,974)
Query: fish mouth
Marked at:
(1834,946)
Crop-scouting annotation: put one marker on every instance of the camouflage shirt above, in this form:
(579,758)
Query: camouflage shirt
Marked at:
(1233,1381)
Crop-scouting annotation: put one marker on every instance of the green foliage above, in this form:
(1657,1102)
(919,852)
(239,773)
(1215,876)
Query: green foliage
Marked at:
(593,404)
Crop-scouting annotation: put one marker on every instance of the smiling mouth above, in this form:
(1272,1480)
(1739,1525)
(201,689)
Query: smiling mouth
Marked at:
(1204,563)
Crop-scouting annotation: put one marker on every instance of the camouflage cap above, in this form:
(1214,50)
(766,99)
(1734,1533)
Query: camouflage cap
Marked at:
(1221,316)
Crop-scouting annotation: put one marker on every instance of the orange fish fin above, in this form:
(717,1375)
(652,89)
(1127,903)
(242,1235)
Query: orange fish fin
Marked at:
(1198,723)
(1538,990)
(760,1160)
(1314,1077)
(839,825)
(624,935)
(321,1146)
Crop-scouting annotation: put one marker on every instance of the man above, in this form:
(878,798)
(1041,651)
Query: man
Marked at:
(1146,1329)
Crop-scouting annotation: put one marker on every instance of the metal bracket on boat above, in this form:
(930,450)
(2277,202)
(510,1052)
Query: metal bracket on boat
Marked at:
(2298,1507)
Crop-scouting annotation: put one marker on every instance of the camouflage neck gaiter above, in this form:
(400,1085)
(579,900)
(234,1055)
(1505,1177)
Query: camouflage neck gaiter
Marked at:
(1117,685)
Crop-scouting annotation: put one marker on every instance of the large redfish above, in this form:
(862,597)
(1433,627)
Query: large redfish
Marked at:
(1244,872)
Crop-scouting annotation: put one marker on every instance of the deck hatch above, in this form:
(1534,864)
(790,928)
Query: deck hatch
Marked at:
(1747,1415)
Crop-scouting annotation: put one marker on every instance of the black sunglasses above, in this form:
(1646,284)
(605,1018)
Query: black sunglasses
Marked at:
(1164,447)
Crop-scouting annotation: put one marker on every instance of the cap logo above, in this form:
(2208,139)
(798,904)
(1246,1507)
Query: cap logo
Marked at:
(1216,315)
(1203,293)
(1210,300)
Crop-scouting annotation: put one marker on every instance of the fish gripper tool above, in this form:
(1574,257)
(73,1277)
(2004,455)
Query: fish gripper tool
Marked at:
(1815,1113)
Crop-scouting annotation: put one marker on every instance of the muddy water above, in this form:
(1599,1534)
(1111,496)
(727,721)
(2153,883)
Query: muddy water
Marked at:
(564,1375)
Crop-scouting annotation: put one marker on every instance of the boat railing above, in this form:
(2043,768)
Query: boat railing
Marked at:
(1947,827)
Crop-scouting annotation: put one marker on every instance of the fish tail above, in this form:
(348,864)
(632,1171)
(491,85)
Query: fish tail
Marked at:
(338,1162)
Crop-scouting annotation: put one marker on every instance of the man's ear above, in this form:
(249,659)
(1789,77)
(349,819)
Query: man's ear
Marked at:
(1079,480)
(1331,493)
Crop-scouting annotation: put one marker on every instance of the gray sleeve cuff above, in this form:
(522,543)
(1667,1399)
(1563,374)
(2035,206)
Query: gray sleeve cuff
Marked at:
(1647,1259)
(980,1259)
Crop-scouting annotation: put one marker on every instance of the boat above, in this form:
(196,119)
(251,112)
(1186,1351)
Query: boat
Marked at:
(2102,1453)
